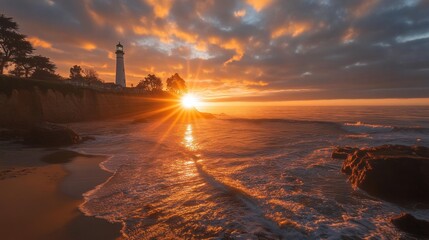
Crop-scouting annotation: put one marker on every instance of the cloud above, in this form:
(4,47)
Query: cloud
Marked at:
(242,49)
(293,29)
(349,36)
(161,8)
(89,46)
(231,44)
(258,5)
(364,8)
(37,42)
(240,13)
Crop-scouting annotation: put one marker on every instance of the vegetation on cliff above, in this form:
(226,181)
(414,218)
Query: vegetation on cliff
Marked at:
(16,54)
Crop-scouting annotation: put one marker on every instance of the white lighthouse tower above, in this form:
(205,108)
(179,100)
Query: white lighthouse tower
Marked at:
(120,69)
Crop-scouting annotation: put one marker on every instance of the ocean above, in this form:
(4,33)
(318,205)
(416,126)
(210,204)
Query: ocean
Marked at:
(252,173)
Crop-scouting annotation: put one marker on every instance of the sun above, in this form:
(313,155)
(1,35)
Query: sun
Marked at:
(189,101)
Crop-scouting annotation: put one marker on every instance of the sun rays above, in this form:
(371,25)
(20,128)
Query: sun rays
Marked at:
(172,113)
(189,101)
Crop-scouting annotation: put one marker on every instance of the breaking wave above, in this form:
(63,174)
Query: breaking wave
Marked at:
(352,127)
(361,127)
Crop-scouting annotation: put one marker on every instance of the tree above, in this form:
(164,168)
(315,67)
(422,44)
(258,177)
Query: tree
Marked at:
(12,44)
(176,84)
(18,71)
(91,76)
(76,73)
(151,83)
(37,66)
(144,85)
(23,67)
(45,75)
(42,68)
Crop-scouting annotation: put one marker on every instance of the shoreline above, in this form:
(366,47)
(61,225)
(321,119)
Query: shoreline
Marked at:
(42,191)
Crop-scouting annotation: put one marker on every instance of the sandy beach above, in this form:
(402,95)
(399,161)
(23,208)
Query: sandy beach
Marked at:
(41,191)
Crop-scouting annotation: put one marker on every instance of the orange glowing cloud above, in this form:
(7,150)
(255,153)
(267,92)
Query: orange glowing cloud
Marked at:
(258,5)
(37,42)
(231,44)
(240,13)
(161,8)
(97,18)
(252,83)
(89,46)
(293,29)
(349,36)
(164,33)
(119,30)
(364,8)
(140,30)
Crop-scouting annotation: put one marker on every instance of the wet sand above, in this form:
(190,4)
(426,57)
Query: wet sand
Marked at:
(41,192)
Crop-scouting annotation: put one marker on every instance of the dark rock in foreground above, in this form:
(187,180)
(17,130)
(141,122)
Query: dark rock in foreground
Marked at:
(51,135)
(44,135)
(392,172)
(408,223)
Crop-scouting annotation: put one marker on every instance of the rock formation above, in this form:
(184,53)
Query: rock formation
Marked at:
(392,172)
(43,135)
(408,223)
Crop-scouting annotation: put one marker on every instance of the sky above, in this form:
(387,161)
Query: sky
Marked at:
(242,50)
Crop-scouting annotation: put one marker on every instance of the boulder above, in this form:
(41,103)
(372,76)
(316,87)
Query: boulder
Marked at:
(50,135)
(43,135)
(392,172)
(408,223)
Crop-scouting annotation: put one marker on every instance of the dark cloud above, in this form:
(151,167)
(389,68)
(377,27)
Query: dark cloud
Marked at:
(243,49)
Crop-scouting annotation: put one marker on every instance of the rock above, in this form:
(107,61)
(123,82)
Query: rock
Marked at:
(10,134)
(408,223)
(50,135)
(43,135)
(392,172)
(343,152)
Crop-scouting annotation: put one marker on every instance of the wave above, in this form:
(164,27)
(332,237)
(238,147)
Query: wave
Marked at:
(279,120)
(361,127)
(356,127)
(271,229)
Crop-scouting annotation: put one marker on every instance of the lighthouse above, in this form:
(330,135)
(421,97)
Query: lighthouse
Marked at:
(120,68)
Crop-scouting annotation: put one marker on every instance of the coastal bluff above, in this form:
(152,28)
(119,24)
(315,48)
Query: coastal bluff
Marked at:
(26,102)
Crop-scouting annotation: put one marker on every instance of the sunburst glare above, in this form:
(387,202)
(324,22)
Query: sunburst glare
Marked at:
(189,101)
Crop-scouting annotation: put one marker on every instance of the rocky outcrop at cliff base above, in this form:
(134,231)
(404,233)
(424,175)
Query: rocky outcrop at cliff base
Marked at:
(43,135)
(392,172)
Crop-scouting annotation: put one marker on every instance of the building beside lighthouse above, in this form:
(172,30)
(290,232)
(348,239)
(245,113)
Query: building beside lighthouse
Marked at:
(120,68)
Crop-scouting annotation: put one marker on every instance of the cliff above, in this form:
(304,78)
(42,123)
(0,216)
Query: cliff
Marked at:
(25,102)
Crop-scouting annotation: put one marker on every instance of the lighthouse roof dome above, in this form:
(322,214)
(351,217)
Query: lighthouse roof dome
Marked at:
(119,45)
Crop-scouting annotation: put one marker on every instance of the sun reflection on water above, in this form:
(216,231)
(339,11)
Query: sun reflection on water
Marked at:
(188,139)
(188,167)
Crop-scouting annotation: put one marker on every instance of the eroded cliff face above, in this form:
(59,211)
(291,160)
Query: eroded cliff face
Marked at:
(29,106)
